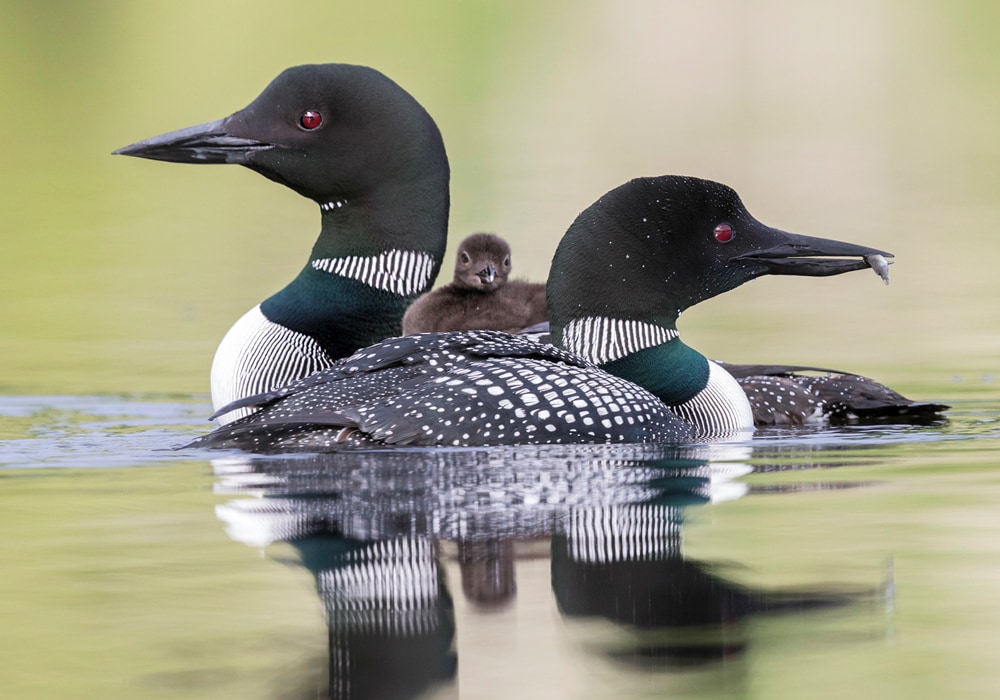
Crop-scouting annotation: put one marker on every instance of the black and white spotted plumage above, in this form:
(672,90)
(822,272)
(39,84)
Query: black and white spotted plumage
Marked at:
(461,388)
(789,395)
(620,277)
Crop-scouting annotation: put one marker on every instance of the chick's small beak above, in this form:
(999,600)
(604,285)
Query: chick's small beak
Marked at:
(487,274)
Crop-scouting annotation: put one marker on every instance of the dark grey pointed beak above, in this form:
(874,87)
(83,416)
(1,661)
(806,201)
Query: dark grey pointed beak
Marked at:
(205,143)
(794,254)
(487,274)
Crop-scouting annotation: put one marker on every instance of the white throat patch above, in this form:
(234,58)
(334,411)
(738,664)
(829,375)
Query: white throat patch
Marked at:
(601,339)
(402,272)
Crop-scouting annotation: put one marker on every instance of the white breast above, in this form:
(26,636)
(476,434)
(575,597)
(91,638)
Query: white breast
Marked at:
(257,355)
(721,409)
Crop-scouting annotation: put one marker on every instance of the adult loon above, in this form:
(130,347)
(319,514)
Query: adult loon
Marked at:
(621,276)
(480,297)
(354,142)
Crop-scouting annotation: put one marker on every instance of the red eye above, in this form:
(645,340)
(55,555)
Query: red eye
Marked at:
(723,233)
(310,119)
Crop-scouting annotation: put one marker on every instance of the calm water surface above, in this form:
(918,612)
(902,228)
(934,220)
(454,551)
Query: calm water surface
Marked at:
(857,562)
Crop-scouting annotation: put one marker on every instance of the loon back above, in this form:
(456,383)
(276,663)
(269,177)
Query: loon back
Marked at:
(620,277)
(458,388)
(791,395)
(371,157)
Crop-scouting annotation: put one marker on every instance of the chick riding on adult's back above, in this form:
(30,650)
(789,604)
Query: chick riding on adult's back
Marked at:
(480,296)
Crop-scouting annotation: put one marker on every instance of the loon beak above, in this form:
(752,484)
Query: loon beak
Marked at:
(487,274)
(794,254)
(211,142)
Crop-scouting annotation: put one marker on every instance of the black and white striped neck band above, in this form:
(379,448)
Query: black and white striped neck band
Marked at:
(601,340)
(402,272)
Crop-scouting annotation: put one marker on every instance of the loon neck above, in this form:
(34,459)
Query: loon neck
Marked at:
(363,272)
(402,260)
(648,353)
(407,216)
(672,371)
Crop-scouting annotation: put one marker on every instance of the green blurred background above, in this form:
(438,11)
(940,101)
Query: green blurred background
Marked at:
(874,122)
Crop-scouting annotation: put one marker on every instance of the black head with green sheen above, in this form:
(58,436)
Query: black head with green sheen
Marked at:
(326,131)
(335,133)
(655,246)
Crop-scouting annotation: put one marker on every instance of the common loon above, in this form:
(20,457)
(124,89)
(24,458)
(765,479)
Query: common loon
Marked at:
(354,142)
(621,275)
(480,297)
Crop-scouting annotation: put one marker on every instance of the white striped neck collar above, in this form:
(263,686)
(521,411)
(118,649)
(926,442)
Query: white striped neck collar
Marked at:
(601,340)
(403,272)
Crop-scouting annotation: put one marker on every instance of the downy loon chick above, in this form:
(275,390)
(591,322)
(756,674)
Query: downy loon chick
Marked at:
(480,297)
(621,276)
(357,144)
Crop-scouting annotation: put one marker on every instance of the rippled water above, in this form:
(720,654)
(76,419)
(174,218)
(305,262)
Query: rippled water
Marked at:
(856,561)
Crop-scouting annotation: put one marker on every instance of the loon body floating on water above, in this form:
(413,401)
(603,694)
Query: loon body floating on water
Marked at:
(480,297)
(619,280)
(372,158)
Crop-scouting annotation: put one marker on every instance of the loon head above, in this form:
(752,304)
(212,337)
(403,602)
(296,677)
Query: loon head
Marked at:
(658,245)
(334,133)
(482,263)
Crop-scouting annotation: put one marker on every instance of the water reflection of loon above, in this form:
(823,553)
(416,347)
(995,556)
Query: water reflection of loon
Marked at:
(372,526)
